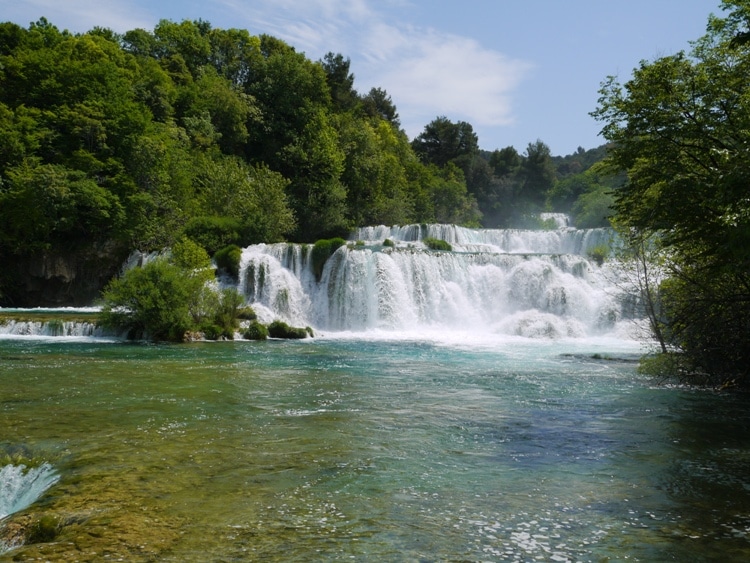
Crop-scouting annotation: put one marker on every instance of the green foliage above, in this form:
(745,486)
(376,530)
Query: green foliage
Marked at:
(443,141)
(228,259)
(598,253)
(708,319)
(340,81)
(669,365)
(279,329)
(155,301)
(252,197)
(389,243)
(593,208)
(437,244)
(377,158)
(189,255)
(378,104)
(49,202)
(255,331)
(43,529)
(214,233)
(169,298)
(679,127)
(322,251)
(450,201)
(136,141)
(246,314)
(226,316)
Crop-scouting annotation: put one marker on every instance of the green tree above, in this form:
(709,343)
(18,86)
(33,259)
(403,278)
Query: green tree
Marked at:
(165,298)
(679,127)
(152,301)
(537,174)
(375,171)
(377,103)
(443,141)
(253,196)
(340,81)
(450,200)
(47,204)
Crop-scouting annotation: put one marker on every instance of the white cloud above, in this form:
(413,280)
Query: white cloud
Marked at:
(427,72)
(311,26)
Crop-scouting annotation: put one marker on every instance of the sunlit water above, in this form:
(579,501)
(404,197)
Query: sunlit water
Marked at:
(20,486)
(340,449)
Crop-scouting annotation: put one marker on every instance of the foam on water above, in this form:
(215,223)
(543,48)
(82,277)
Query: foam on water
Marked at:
(21,486)
(534,284)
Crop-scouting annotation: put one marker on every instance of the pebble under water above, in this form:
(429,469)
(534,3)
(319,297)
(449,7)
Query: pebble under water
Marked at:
(359,449)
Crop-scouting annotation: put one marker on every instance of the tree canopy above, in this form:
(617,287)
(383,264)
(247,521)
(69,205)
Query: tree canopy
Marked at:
(134,141)
(680,128)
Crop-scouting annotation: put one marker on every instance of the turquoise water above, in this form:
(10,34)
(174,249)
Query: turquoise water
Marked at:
(343,448)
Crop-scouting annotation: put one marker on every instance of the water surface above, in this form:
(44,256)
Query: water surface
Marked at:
(373,450)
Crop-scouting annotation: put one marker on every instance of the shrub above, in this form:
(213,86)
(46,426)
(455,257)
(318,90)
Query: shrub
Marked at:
(165,298)
(152,301)
(279,329)
(437,244)
(228,259)
(255,331)
(389,242)
(213,233)
(246,314)
(598,253)
(211,331)
(322,251)
(190,255)
(227,313)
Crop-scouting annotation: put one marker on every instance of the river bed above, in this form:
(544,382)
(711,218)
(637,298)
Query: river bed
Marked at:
(373,449)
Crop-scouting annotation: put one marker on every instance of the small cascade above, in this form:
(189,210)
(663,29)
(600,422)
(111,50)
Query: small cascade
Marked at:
(563,240)
(67,322)
(12,327)
(21,486)
(508,281)
(560,220)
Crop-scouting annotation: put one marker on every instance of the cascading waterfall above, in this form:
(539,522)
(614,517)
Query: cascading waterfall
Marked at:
(516,282)
(69,322)
(21,486)
(79,329)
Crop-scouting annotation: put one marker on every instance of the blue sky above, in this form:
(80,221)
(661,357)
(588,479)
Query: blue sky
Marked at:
(517,70)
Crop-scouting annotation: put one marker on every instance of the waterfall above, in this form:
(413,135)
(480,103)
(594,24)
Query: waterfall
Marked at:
(80,329)
(508,281)
(21,486)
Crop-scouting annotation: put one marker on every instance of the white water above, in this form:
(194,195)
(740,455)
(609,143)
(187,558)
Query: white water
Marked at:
(495,282)
(76,329)
(537,284)
(20,486)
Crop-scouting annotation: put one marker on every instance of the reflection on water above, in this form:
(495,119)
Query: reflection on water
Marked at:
(341,449)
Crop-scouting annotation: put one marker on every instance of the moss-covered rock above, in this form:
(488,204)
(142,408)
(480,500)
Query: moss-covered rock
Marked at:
(228,260)
(437,244)
(322,251)
(247,314)
(279,329)
(256,331)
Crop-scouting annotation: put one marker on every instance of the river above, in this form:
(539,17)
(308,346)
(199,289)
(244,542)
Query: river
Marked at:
(460,425)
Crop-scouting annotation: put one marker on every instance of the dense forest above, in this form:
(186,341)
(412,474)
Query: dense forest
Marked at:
(205,140)
(111,143)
